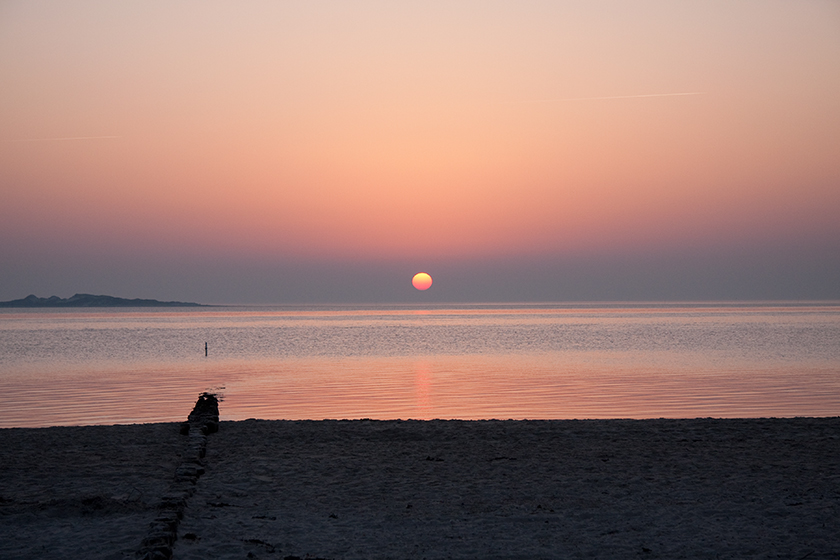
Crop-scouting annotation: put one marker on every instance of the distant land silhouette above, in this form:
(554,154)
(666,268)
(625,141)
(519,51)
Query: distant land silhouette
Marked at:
(88,300)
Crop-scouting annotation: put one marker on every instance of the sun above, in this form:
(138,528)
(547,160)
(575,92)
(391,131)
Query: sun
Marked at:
(421,281)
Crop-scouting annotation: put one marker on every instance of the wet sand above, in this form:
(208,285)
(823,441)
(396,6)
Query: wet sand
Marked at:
(761,488)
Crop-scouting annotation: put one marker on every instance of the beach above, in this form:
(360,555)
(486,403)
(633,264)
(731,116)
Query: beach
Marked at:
(701,488)
(82,492)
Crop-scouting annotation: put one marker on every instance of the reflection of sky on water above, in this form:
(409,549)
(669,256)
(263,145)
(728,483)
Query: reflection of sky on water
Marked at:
(84,367)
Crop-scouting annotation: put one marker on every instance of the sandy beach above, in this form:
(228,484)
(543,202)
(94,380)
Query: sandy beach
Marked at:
(763,488)
(82,492)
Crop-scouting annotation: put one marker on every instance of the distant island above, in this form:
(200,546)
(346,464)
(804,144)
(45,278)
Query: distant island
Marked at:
(88,300)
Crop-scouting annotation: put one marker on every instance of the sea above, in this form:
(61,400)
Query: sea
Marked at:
(479,361)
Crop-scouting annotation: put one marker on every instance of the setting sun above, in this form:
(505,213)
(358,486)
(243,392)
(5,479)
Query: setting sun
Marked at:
(421,281)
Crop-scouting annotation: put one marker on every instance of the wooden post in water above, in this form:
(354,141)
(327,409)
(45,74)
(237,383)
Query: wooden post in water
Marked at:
(205,349)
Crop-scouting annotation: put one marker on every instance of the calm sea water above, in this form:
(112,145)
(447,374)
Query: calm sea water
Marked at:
(104,366)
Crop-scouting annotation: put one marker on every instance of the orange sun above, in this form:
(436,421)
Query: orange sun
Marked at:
(421,281)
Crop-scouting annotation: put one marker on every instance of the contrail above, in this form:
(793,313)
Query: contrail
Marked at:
(64,138)
(615,97)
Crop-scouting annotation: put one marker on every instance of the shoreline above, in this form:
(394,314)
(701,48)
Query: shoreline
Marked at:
(764,487)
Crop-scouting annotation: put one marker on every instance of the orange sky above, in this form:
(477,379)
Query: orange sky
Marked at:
(397,130)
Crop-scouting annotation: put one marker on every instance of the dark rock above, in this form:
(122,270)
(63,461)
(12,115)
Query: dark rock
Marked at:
(157,553)
(210,427)
(158,539)
(173,502)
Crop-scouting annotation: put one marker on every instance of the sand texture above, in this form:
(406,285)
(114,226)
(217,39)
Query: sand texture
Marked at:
(505,489)
(82,492)
(437,489)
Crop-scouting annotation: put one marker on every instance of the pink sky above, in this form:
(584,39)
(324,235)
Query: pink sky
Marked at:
(405,132)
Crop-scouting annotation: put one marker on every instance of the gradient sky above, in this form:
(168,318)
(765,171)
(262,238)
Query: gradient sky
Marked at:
(326,151)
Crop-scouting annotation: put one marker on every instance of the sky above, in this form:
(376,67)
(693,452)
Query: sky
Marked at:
(326,151)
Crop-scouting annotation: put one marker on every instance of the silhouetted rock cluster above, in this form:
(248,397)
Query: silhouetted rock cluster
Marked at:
(163,531)
(205,414)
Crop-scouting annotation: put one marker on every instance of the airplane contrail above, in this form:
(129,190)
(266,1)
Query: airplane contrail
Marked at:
(64,138)
(616,97)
